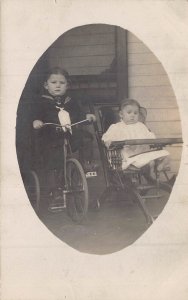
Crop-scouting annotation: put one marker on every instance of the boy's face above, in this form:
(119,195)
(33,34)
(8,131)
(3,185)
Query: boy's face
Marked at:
(130,114)
(56,85)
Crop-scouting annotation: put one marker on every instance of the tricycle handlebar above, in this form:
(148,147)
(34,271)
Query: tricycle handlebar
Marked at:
(70,125)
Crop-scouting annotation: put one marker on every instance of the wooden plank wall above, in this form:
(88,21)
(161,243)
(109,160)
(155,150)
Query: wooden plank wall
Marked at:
(149,84)
(90,50)
(85,50)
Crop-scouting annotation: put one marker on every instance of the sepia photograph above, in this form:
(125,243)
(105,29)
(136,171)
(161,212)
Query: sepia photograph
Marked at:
(99,138)
(94,150)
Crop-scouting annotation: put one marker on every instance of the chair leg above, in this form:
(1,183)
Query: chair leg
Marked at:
(106,194)
(143,207)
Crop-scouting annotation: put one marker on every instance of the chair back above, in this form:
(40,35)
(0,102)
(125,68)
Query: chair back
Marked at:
(109,114)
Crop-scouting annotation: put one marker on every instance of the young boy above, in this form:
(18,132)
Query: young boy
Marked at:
(55,106)
(131,128)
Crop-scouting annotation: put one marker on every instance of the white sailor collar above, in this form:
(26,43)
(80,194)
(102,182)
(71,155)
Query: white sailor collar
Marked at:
(67,98)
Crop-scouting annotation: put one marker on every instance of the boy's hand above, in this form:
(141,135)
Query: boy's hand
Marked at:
(37,124)
(91,117)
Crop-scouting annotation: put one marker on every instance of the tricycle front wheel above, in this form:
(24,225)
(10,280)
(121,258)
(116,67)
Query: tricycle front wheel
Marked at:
(77,196)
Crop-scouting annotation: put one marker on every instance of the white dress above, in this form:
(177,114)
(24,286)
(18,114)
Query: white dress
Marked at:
(133,154)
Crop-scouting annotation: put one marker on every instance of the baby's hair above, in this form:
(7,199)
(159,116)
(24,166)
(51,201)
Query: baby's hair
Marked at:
(128,101)
(56,71)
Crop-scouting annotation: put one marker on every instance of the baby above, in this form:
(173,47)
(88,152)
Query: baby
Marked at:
(131,128)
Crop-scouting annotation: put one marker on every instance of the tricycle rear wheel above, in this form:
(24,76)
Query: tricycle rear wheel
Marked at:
(32,186)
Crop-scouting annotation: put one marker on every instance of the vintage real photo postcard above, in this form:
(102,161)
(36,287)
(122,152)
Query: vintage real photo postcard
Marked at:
(94,185)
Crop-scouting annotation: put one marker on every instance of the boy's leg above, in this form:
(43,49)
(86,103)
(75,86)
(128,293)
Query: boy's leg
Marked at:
(82,141)
(52,181)
(86,147)
(56,200)
(54,162)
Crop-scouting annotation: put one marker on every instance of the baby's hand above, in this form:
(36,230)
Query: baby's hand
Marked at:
(37,124)
(91,117)
(108,143)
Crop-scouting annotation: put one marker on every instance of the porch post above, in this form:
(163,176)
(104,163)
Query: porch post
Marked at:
(122,63)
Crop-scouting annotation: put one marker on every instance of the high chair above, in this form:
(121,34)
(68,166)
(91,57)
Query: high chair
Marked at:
(134,183)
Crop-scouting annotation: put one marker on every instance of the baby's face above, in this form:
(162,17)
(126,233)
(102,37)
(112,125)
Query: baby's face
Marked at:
(130,114)
(56,85)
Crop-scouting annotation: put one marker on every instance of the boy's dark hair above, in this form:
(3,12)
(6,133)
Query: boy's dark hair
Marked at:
(128,101)
(57,70)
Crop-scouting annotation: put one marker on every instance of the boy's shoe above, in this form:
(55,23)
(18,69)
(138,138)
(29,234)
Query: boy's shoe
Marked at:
(56,202)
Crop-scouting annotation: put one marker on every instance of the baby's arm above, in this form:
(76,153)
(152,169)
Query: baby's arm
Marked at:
(106,139)
(110,135)
(146,132)
(151,135)
(107,144)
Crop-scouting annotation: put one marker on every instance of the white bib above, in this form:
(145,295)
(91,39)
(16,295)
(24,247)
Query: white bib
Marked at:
(64,119)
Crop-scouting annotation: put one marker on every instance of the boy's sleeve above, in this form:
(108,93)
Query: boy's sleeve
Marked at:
(37,110)
(75,111)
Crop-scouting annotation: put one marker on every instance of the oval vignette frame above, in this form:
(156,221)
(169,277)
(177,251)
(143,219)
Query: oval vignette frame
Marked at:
(145,79)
